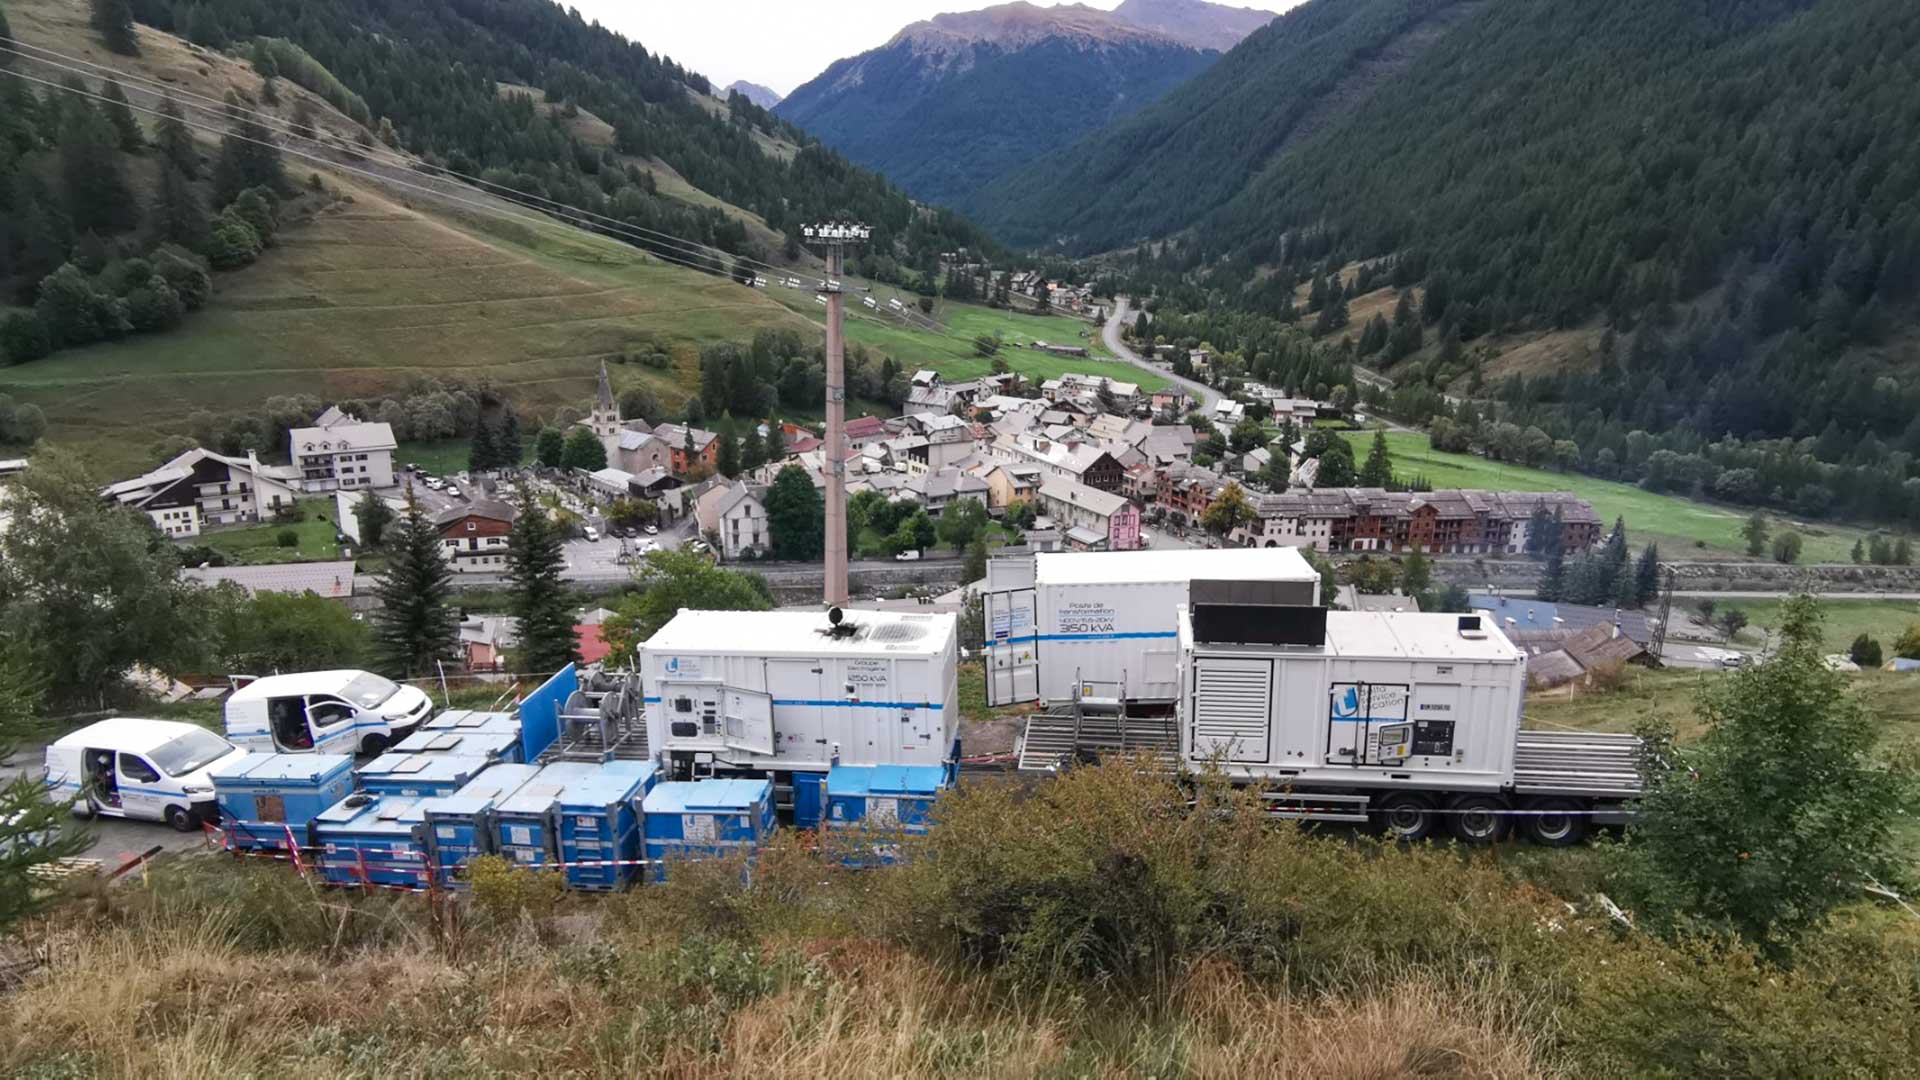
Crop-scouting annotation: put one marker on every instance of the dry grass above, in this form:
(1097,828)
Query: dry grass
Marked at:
(201,1005)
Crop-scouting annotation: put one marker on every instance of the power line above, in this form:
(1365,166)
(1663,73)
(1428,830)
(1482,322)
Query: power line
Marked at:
(679,251)
(288,130)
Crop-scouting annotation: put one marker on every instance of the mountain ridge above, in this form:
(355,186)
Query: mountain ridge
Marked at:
(1198,23)
(763,96)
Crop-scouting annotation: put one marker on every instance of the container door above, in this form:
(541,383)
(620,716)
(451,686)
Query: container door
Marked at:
(799,693)
(747,718)
(1012,647)
(1232,710)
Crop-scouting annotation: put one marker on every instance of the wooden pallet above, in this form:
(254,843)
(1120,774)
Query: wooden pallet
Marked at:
(65,869)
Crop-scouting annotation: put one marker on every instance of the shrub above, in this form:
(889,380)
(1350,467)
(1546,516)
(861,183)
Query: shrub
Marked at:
(506,893)
(233,243)
(287,538)
(1865,652)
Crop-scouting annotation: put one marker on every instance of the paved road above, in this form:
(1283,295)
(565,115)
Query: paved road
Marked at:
(1204,394)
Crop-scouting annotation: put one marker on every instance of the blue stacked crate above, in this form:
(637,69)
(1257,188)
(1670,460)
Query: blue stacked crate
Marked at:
(418,775)
(457,828)
(705,819)
(599,824)
(370,839)
(878,805)
(262,796)
(809,799)
(523,824)
(494,745)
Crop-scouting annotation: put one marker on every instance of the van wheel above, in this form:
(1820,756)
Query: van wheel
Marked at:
(181,819)
(373,745)
(84,810)
(1479,820)
(1404,816)
(1556,823)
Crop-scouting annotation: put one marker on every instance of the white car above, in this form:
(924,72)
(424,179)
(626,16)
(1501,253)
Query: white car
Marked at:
(592,534)
(653,530)
(325,712)
(453,491)
(144,770)
(434,483)
(907,556)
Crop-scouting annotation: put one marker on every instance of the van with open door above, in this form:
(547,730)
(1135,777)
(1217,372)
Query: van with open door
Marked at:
(143,770)
(325,712)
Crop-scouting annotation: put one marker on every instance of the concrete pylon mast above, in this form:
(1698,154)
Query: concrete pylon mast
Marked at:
(835,238)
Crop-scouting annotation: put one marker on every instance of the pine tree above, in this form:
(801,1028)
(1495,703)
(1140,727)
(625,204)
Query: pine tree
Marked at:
(537,596)
(302,120)
(114,20)
(120,114)
(1647,576)
(97,194)
(507,442)
(776,441)
(482,451)
(753,449)
(417,624)
(175,141)
(177,216)
(248,158)
(1378,470)
(728,457)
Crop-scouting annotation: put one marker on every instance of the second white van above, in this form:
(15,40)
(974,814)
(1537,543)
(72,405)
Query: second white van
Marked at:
(326,712)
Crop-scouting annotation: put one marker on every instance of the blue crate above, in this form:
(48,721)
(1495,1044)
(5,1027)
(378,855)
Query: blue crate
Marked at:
(372,839)
(523,824)
(490,743)
(261,796)
(598,820)
(705,819)
(809,799)
(458,828)
(884,802)
(418,775)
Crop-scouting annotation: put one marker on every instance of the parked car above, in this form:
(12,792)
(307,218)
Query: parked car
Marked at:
(1734,660)
(328,712)
(907,556)
(453,491)
(592,534)
(653,530)
(143,770)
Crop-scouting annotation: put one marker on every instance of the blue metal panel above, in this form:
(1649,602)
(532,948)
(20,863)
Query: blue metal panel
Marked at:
(885,802)
(599,821)
(502,744)
(372,839)
(524,823)
(809,799)
(262,795)
(540,712)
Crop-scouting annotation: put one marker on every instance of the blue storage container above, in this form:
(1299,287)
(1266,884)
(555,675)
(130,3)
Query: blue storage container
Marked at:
(261,796)
(884,802)
(372,839)
(458,827)
(418,775)
(492,744)
(809,799)
(524,823)
(705,819)
(473,720)
(599,822)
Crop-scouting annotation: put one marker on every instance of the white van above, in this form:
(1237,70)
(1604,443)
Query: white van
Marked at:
(326,712)
(150,770)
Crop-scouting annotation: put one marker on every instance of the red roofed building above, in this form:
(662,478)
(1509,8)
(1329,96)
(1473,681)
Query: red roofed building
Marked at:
(865,429)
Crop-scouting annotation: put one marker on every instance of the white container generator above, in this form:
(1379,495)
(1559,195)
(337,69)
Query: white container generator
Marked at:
(1101,626)
(768,694)
(1406,720)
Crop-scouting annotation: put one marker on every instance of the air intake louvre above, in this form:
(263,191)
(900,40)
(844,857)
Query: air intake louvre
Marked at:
(897,632)
(1231,703)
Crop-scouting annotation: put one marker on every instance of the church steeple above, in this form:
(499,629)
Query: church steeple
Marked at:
(604,402)
(605,420)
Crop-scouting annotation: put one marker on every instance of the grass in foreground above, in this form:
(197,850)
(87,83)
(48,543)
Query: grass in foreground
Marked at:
(1683,528)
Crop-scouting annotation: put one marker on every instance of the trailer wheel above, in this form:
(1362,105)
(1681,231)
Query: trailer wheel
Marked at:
(1479,820)
(1556,822)
(1405,816)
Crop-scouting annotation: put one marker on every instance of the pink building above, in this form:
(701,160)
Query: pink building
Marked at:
(1091,519)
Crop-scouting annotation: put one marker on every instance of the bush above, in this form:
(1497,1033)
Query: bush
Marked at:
(287,538)
(1865,652)
(506,893)
(233,243)
(23,337)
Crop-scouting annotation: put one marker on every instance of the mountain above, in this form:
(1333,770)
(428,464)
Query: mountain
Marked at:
(759,95)
(336,281)
(955,101)
(1697,222)
(1195,22)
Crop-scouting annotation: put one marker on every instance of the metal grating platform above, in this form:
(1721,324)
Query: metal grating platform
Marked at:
(602,721)
(1053,739)
(1577,763)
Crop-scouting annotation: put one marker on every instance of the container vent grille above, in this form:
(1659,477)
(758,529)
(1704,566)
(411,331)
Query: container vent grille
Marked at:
(1231,706)
(898,631)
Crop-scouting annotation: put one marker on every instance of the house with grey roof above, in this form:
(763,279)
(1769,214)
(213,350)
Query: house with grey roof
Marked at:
(200,489)
(342,451)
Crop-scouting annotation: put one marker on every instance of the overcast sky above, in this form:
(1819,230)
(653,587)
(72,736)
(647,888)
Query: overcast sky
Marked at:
(780,43)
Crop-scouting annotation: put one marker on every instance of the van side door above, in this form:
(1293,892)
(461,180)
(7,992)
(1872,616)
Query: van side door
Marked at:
(331,722)
(141,792)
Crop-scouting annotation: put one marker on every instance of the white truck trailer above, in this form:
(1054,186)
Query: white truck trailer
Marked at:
(1408,721)
(1101,626)
(772,694)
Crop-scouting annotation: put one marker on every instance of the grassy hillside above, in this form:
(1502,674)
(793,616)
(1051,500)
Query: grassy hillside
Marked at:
(1683,528)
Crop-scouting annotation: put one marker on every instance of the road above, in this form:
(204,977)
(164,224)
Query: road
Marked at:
(1110,333)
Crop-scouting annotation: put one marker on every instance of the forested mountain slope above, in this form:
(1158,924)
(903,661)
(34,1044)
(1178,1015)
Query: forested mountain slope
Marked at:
(1721,199)
(953,102)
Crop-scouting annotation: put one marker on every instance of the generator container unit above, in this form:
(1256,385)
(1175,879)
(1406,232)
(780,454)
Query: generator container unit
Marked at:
(370,839)
(458,828)
(705,819)
(597,823)
(880,804)
(418,775)
(493,745)
(523,824)
(773,694)
(1408,721)
(266,798)
(1101,626)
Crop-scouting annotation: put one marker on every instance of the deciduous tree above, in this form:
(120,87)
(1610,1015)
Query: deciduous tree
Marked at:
(796,516)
